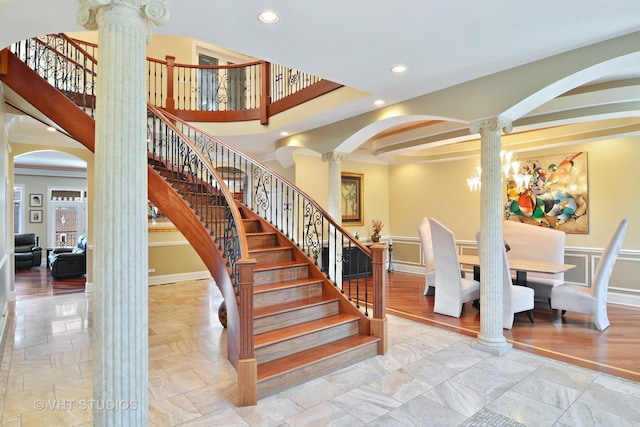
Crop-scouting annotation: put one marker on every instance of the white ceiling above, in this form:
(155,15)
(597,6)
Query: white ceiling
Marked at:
(356,42)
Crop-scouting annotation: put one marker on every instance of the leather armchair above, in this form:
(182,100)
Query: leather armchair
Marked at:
(69,262)
(26,251)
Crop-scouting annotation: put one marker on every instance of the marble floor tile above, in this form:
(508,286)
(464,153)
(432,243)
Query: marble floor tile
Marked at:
(325,414)
(584,415)
(546,391)
(423,412)
(313,393)
(365,403)
(525,410)
(458,397)
(429,376)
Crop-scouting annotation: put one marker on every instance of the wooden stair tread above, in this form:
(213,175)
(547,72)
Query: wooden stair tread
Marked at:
(270,249)
(260,233)
(280,265)
(278,335)
(258,289)
(291,305)
(313,355)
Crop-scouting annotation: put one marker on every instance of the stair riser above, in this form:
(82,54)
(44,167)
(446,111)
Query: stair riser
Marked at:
(252,226)
(290,318)
(289,379)
(272,257)
(280,275)
(288,294)
(260,241)
(304,342)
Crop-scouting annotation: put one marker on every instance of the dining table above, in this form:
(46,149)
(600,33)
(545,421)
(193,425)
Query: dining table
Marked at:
(520,266)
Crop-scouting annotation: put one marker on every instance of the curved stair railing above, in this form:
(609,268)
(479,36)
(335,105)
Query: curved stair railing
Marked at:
(69,73)
(200,179)
(343,258)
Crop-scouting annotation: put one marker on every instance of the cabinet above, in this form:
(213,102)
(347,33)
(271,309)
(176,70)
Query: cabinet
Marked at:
(355,263)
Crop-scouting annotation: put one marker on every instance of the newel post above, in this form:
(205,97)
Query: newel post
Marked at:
(265,93)
(379,321)
(247,365)
(171,101)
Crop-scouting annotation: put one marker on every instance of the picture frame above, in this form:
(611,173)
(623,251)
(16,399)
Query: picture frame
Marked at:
(352,202)
(35,215)
(557,196)
(35,200)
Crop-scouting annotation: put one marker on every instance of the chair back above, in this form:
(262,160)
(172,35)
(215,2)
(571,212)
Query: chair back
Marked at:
(424,230)
(605,265)
(507,283)
(445,255)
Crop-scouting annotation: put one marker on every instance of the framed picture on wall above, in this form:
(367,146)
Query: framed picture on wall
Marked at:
(351,191)
(35,200)
(35,216)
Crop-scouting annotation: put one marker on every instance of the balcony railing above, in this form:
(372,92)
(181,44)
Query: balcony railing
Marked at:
(209,93)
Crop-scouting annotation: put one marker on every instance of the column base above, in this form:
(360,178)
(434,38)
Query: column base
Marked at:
(495,348)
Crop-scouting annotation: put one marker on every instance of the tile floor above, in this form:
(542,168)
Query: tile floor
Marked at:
(429,377)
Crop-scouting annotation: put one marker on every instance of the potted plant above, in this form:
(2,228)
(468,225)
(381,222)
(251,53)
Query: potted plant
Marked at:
(377,225)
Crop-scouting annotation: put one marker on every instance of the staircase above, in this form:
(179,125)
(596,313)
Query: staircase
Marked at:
(302,327)
(304,324)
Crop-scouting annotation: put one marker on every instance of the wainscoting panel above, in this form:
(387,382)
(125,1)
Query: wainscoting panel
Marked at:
(624,286)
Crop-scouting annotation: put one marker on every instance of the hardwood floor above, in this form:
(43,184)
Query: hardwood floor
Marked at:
(572,339)
(38,282)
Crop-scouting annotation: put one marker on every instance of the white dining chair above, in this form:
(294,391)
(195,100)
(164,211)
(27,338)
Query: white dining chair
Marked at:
(515,298)
(424,230)
(592,300)
(452,290)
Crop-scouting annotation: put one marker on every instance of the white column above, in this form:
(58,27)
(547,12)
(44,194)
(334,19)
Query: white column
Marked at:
(335,210)
(335,179)
(120,347)
(491,338)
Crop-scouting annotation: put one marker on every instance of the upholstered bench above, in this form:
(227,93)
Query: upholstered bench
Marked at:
(537,243)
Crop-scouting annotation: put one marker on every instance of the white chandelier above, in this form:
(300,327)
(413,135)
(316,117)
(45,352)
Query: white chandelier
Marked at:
(510,168)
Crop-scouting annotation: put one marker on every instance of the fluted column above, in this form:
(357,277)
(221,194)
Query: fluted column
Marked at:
(335,210)
(491,337)
(120,347)
(335,178)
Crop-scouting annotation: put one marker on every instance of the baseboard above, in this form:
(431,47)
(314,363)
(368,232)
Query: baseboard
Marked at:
(623,299)
(412,269)
(180,277)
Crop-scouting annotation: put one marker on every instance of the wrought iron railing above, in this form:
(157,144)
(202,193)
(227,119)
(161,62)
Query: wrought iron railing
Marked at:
(64,64)
(344,259)
(68,66)
(193,176)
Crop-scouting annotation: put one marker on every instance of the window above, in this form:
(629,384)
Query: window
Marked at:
(18,209)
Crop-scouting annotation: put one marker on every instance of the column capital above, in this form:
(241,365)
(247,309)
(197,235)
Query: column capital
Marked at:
(152,11)
(334,156)
(494,124)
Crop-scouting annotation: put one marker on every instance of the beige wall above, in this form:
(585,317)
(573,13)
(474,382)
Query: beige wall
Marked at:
(439,190)
(402,194)
(312,176)
(171,255)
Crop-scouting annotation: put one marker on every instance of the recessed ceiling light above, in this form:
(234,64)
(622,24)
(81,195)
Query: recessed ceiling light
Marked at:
(268,17)
(284,133)
(399,69)
(51,129)
(378,102)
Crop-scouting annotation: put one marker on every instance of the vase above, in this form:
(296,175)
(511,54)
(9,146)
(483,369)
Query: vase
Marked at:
(375,237)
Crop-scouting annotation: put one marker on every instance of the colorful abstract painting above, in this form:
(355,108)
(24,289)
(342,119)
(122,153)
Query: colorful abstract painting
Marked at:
(550,191)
